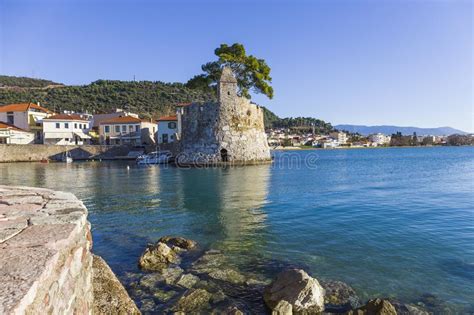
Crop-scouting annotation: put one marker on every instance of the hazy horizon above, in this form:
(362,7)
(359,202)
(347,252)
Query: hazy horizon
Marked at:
(358,62)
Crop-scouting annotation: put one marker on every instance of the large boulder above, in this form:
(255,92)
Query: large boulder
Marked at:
(298,289)
(157,257)
(375,307)
(110,297)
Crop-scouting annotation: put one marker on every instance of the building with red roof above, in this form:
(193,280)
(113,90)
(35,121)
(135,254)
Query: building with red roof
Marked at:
(66,129)
(10,134)
(26,116)
(168,130)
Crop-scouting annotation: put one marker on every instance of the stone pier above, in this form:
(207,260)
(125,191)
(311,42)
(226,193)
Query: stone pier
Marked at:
(46,264)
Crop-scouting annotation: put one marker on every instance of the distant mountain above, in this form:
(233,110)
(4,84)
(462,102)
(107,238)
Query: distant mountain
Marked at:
(388,130)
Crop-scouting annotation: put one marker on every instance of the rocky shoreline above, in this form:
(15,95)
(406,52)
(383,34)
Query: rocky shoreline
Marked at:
(179,277)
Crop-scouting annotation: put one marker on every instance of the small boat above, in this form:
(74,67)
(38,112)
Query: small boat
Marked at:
(157,157)
(67,158)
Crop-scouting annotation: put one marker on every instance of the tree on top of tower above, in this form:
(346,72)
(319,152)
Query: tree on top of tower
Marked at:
(251,73)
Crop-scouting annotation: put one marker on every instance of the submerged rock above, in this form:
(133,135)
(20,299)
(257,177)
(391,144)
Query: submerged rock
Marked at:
(187,280)
(163,295)
(110,297)
(227,274)
(150,280)
(209,261)
(171,275)
(157,257)
(407,309)
(375,307)
(194,300)
(298,289)
(434,304)
(339,296)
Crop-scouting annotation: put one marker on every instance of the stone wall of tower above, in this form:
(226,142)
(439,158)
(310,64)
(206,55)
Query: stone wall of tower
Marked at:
(234,125)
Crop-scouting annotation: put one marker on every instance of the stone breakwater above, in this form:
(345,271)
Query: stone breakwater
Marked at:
(39,152)
(46,264)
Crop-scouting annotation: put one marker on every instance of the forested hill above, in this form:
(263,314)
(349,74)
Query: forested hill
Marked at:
(24,82)
(146,98)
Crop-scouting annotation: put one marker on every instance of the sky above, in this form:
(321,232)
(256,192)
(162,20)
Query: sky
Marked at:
(406,63)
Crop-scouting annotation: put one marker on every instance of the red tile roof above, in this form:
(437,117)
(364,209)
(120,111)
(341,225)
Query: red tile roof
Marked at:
(22,107)
(4,125)
(65,117)
(121,120)
(168,118)
(183,104)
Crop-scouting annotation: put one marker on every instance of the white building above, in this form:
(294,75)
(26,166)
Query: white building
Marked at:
(10,134)
(127,130)
(379,139)
(340,137)
(65,129)
(167,129)
(26,116)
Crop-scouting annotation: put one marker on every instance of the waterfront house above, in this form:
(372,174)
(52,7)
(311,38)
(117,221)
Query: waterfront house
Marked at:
(167,129)
(127,130)
(66,129)
(25,116)
(10,134)
(378,139)
(339,137)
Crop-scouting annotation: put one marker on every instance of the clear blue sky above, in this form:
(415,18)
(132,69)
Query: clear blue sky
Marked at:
(371,62)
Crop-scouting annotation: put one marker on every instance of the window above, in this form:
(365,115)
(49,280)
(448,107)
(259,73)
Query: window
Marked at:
(106,129)
(124,128)
(165,138)
(10,118)
(172,125)
(75,125)
(117,129)
(66,125)
(130,128)
(137,128)
(58,126)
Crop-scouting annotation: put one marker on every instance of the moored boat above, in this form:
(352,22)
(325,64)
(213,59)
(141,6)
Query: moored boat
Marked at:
(156,157)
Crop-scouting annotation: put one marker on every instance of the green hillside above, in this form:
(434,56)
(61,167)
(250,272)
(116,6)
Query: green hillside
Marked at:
(24,82)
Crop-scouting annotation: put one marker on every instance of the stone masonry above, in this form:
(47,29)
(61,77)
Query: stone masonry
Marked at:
(45,261)
(46,264)
(230,130)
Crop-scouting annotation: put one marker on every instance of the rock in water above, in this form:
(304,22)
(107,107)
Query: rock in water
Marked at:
(157,257)
(110,296)
(298,289)
(339,297)
(375,307)
(180,242)
(187,281)
(193,301)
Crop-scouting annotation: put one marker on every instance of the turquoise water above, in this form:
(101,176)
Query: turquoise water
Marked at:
(390,222)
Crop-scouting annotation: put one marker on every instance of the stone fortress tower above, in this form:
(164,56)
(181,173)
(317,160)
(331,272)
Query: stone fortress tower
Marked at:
(229,131)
